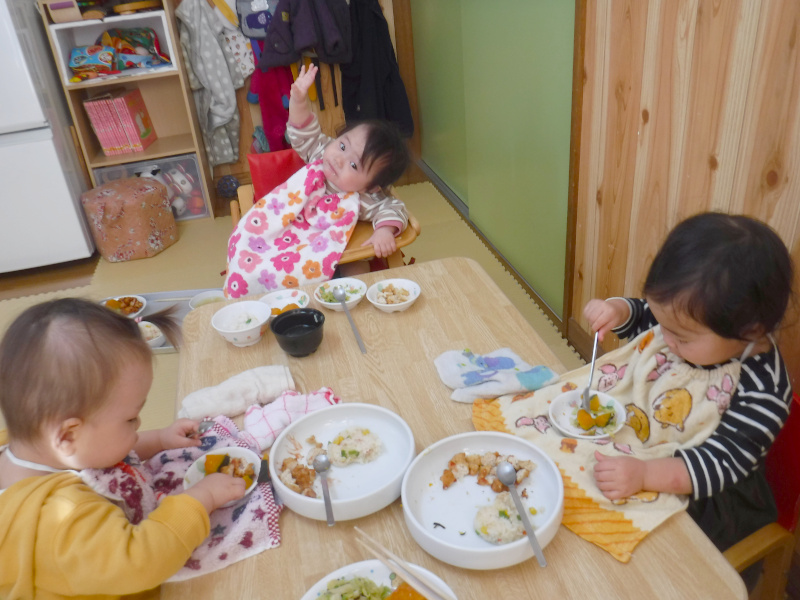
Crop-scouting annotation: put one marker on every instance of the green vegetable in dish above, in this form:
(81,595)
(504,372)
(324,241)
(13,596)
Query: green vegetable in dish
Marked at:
(326,293)
(359,588)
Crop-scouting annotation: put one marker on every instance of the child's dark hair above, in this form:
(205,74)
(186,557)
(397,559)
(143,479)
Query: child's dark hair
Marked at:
(60,359)
(731,273)
(385,148)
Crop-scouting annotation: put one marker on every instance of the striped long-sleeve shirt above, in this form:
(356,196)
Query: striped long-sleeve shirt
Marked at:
(378,208)
(758,409)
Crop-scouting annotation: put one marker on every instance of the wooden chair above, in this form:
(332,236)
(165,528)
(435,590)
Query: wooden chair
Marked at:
(273,168)
(775,543)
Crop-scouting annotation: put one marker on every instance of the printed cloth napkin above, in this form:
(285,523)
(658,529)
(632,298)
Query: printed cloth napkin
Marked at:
(265,423)
(474,376)
(293,236)
(232,397)
(669,405)
(237,532)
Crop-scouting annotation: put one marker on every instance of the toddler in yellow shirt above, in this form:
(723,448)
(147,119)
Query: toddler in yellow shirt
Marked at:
(74,377)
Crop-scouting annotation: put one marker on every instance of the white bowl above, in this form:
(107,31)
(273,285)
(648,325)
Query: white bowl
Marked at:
(206,297)
(454,540)
(411,287)
(355,289)
(281,300)
(565,406)
(130,315)
(197,470)
(152,334)
(378,573)
(356,490)
(226,319)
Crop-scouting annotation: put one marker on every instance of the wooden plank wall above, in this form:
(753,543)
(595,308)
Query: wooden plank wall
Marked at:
(687,106)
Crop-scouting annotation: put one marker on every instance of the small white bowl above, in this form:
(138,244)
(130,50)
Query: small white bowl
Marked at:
(565,406)
(356,490)
(441,521)
(206,297)
(152,334)
(197,470)
(354,288)
(130,315)
(411,287)
(284,300)
(226,322)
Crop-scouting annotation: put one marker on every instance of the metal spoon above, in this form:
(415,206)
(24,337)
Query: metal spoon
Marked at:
(204,426)
(585,396)
(507,475)
(341,296)
(321,465)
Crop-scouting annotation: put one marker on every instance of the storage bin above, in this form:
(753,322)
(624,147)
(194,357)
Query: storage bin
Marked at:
(130,218)
(180,174)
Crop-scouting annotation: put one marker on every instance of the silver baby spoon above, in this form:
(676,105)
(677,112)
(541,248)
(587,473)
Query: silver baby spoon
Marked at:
(507,475)
(321,465)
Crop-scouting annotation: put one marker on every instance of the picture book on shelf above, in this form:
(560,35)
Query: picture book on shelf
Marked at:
(121,122)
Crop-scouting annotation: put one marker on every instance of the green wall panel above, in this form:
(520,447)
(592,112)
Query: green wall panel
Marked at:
(440,89)
(502,72)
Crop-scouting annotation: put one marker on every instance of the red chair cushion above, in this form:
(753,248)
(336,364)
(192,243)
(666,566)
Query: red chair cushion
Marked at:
(783,468)
(270,169)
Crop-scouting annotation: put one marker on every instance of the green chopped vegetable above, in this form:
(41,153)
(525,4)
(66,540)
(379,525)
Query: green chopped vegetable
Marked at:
(359,588)
(504,514)
(353,452)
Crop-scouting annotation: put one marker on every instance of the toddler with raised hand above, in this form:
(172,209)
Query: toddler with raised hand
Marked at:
(717,289)
(366,158)
(74,377)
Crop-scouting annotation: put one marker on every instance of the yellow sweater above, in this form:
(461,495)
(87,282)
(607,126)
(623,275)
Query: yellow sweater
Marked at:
(60,539)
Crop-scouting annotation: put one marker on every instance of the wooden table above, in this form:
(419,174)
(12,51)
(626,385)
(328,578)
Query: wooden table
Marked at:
(460,307)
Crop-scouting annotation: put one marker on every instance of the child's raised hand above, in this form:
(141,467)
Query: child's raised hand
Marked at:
(383,241)
(619,476)
(305,79)
(217,489)
(605,315)
(177,434)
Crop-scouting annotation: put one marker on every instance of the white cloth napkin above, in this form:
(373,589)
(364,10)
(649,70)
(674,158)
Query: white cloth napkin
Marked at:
(232,397)
(474,376)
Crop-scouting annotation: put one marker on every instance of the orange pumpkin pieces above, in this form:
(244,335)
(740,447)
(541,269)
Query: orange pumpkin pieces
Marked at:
(405,592)
(585,420)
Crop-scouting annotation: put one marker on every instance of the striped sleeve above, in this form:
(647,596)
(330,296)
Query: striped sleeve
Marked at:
(640,319)
(757,411)
(308,141)
(382,209)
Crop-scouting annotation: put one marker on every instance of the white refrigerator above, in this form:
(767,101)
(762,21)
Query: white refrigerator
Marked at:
(41,179)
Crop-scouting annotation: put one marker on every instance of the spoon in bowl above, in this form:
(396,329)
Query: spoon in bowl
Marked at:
(586,395)
(321,465)
(341,296)
(507,475)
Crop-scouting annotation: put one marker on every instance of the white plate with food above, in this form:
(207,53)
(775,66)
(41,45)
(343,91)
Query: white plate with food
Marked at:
(360,484)
(239,462)
(130,306)
(443,521)
(284,300)
(354,290)
(604,419)
(393,295)
(377,573)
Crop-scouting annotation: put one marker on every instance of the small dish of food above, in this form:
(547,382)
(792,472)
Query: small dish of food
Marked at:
(285,300)
(207,297)
(242,323)
(239,462)
(129,306)
(152,334)
(393,295)
(354,290)
(605,417)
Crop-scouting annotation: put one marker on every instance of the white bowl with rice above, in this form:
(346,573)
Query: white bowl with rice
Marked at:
(393,295)
(444,521)
(242,323)
(152,334)
(357,487)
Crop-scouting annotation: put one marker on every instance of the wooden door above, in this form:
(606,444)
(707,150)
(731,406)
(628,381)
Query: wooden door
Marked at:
(687,106)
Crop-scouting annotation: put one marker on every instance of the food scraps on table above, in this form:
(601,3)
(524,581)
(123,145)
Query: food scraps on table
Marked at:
(238,467)
(483,466)
(124,305)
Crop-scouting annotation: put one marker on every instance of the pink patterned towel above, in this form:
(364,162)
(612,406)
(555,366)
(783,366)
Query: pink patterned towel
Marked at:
(237,532)
(265,423)
(293,236)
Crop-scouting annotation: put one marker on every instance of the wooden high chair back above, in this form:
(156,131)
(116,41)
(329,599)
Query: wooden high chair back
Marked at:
(775,543)
(270,169)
